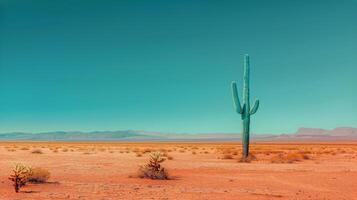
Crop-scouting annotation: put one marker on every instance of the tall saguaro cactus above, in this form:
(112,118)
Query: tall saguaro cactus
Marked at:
(244,109)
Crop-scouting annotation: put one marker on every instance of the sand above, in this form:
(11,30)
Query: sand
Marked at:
(107,171)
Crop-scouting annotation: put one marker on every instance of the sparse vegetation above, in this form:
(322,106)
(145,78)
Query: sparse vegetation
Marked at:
(39,175)
(37,151)
(19,176)
(289,158)
(251,157)
(154,170)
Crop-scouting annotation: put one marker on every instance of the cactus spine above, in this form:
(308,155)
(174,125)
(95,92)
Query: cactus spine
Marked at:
(244,109)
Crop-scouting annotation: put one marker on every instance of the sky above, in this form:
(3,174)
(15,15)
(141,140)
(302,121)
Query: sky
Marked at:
(167,65)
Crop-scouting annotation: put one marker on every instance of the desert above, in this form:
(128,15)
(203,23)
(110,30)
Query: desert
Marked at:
(108,170)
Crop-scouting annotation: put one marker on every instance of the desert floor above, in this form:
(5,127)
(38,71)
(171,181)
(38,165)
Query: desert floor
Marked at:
(103,171)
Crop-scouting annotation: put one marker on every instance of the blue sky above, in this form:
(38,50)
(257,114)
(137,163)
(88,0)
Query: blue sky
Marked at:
(167,65)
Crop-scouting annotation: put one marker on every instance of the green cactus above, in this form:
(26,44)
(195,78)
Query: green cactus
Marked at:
(244,109)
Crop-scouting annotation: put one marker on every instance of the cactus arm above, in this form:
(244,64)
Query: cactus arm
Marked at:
(236,102)
(255,107)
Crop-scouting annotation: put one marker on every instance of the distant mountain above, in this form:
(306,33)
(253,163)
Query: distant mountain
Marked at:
(340,133)
(303,134)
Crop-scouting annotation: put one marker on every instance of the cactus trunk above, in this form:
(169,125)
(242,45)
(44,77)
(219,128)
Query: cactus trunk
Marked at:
(245,137)
(244,109)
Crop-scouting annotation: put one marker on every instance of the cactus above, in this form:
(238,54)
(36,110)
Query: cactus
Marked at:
(20,176)
(244,109)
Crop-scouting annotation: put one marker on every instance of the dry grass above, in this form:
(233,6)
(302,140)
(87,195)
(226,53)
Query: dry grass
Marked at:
(289,158)
(251,157)
(37,151)
(38,175)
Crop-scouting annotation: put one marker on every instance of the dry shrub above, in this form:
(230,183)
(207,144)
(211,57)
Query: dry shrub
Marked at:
(37,151)
(251,157)
(154,170)
(19,176)
(170,158)
(24,148)
(289,158)
(147,150)
(194,152)
(139,155)
(39,175)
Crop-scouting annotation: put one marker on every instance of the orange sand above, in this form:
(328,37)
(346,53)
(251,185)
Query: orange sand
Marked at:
(106,171)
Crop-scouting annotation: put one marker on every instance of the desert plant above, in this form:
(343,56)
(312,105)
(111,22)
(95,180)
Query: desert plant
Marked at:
(244,109)
(38,175)
(251,157)
(19,176)
(289,158)
(37,151)
(153,169)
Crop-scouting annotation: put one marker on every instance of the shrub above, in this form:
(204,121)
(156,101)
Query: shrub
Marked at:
(19,176)
(251,157)
(39,175)
(37,151)
(153,169)
(289,158)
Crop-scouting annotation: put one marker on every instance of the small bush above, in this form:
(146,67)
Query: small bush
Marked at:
(154,170)
(39,175)
(19,176)
(251,157)
(37,151)
(289,158)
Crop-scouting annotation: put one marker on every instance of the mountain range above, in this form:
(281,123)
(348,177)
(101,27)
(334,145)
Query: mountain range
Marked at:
(302,134)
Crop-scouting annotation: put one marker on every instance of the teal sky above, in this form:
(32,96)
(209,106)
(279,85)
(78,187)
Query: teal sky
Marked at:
(167,65)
